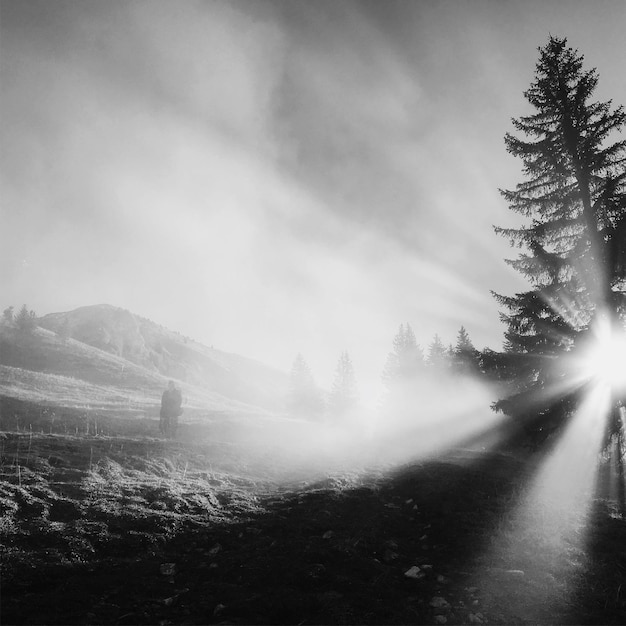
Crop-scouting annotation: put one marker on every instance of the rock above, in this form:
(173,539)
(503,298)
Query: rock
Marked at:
(389,556)
(215,549)
(219,609)
(168,569)
(471,589)
(443,580)
(476,618)
(172,599)
(441,619)
(439,603)
(514,573)
(414,572)
(329,534)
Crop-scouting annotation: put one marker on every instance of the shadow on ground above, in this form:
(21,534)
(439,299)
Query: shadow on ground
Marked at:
(373,547)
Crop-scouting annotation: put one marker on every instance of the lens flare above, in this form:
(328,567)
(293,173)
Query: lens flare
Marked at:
(605,360)
(543,538)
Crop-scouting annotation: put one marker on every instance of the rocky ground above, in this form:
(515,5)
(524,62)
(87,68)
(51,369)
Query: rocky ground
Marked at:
(137,530)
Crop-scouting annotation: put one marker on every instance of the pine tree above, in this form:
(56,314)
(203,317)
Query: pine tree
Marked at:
(405,360)
(305,399)
(343,396)
(437,354)
(25,321)
(574,200)
(7,316)
(465,357)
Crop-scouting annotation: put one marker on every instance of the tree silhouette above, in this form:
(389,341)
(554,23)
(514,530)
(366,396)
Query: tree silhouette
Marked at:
(438,356)
(343,396)
(7,315)
(405,360)
(465,357)
(305,399)
(25,321)
(574,200)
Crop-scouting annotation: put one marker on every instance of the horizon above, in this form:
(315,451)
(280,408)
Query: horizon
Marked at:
(275,178)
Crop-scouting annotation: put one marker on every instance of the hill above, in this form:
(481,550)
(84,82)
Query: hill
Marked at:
(103,351)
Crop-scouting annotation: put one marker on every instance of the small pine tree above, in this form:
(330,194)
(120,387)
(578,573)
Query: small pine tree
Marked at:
(465,357)
(405,360)
(343,396)
(305,398)
(7,316)
(25,321)
(437,354)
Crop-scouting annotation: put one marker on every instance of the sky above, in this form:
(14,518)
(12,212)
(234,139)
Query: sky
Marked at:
(275,177)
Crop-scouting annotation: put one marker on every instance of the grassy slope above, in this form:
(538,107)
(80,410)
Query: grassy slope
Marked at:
(155,348)
(43,368)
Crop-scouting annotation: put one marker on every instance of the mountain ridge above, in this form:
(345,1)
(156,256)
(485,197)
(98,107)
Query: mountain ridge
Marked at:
(130,351)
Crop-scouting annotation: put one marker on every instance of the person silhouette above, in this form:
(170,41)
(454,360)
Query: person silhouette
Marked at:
(171,402)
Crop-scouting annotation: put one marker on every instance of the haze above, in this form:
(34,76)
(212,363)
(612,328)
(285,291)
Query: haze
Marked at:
(274,177)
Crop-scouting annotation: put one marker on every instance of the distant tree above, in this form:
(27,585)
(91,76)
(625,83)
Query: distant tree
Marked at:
(405,360)
(574,198)
(465,357)
(25,321)
(344,395)
(7,315)
(437,354)
(305,398)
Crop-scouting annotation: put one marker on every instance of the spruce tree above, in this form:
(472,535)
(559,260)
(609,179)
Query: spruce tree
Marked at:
(305,399)
(343,396)
(438,356)
(8,316)
(465,357)
(573,200)
(25,321)
(405,360)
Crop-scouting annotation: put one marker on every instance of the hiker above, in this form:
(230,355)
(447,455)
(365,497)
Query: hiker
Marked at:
(171,402)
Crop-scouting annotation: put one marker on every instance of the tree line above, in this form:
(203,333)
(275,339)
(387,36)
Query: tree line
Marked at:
(24,321)
(573,254)
(406,363)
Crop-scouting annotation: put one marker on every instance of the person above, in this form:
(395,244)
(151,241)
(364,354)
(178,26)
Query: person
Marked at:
(171,402)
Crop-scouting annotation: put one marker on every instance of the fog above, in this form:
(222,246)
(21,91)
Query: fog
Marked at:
(449,415)
(273,177)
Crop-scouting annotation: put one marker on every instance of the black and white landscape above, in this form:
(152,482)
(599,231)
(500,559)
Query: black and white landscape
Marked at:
(312,312)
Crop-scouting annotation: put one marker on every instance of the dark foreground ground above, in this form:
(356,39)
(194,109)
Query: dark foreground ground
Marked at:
(122,530)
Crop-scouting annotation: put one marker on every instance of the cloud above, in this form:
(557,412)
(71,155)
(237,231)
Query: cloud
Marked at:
(267,177)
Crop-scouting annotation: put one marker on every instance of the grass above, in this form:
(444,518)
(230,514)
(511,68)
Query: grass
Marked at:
(252,518)
(121,528)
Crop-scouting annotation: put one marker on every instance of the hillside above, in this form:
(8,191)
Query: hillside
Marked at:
(119,352)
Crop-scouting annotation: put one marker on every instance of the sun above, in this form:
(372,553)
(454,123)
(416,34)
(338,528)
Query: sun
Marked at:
(605,358)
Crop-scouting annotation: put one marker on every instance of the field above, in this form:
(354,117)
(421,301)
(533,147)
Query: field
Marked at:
(113,525)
